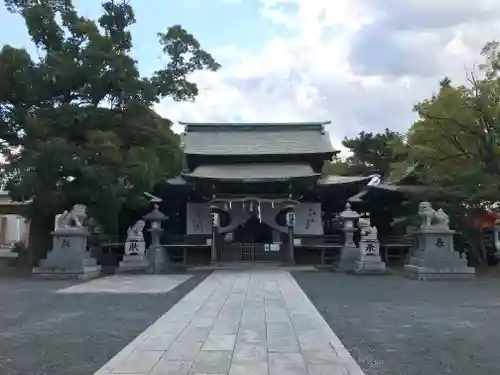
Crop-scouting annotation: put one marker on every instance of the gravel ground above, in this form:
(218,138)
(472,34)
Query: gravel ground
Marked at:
(44,333)
(395,326)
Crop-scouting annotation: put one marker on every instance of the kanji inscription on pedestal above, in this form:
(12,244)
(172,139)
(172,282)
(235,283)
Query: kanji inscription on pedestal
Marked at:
(134,248)
(370,249)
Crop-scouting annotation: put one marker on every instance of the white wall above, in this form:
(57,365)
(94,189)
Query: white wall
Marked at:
(198,219)
(13,228)
(308,219)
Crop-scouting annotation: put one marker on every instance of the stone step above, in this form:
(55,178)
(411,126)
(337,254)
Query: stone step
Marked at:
(86,273)
(254,266)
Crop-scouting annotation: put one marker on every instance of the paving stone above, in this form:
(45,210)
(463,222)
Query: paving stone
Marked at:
(282,344)
(249,368)
(168,328)
(169,367)
(286,364)
(202,322)
(212,362)
(277,315)
(327,369)
(194,334)
(252,335)
(162,342)
(183,351)
(217,341)
(138,362)
(320,354)
(285,329)
(256,322)
(250,352)
(226,327)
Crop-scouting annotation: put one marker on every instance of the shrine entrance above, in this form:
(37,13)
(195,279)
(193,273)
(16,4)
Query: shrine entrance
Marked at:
(252,242)
(253,231)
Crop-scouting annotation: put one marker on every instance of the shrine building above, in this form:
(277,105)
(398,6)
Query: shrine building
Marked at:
(255,192)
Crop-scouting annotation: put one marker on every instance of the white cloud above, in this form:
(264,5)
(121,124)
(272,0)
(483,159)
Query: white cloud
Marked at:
(360,63)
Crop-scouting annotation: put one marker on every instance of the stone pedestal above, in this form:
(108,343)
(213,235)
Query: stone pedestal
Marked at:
(433,257)
(69,257)
(369,261)
(134,258)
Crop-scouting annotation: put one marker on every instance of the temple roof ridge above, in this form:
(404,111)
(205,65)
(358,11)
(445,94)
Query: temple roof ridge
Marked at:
(242,123)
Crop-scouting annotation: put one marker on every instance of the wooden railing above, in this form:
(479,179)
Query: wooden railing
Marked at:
(323,249)
(395,248)
(188,248)
(323,240)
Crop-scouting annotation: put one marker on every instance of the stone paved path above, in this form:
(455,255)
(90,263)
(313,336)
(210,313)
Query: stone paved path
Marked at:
(244,323)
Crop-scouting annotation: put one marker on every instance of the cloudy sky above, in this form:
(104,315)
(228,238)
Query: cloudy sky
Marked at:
(360,63)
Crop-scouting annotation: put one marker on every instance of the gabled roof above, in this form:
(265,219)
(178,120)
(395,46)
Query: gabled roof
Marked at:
(400,177)
(256,138)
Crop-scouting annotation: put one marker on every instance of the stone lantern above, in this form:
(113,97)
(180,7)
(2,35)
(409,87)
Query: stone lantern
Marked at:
(156,252)
(349,252)
(289,207)
(215,221)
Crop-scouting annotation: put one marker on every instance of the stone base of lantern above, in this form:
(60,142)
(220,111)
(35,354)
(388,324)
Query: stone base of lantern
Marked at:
(159,260)
(349,256)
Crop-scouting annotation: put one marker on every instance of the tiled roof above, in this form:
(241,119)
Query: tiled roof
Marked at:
(253,172)
(256,139)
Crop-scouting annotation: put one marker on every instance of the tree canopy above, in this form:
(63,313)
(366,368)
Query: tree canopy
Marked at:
(457,136)
(456,140)
(76,121)
(370,154)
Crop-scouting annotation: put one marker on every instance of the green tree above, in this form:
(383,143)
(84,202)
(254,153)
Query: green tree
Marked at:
(457,139)
(370,154)
(336,166)
(457,136)
(76,123)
